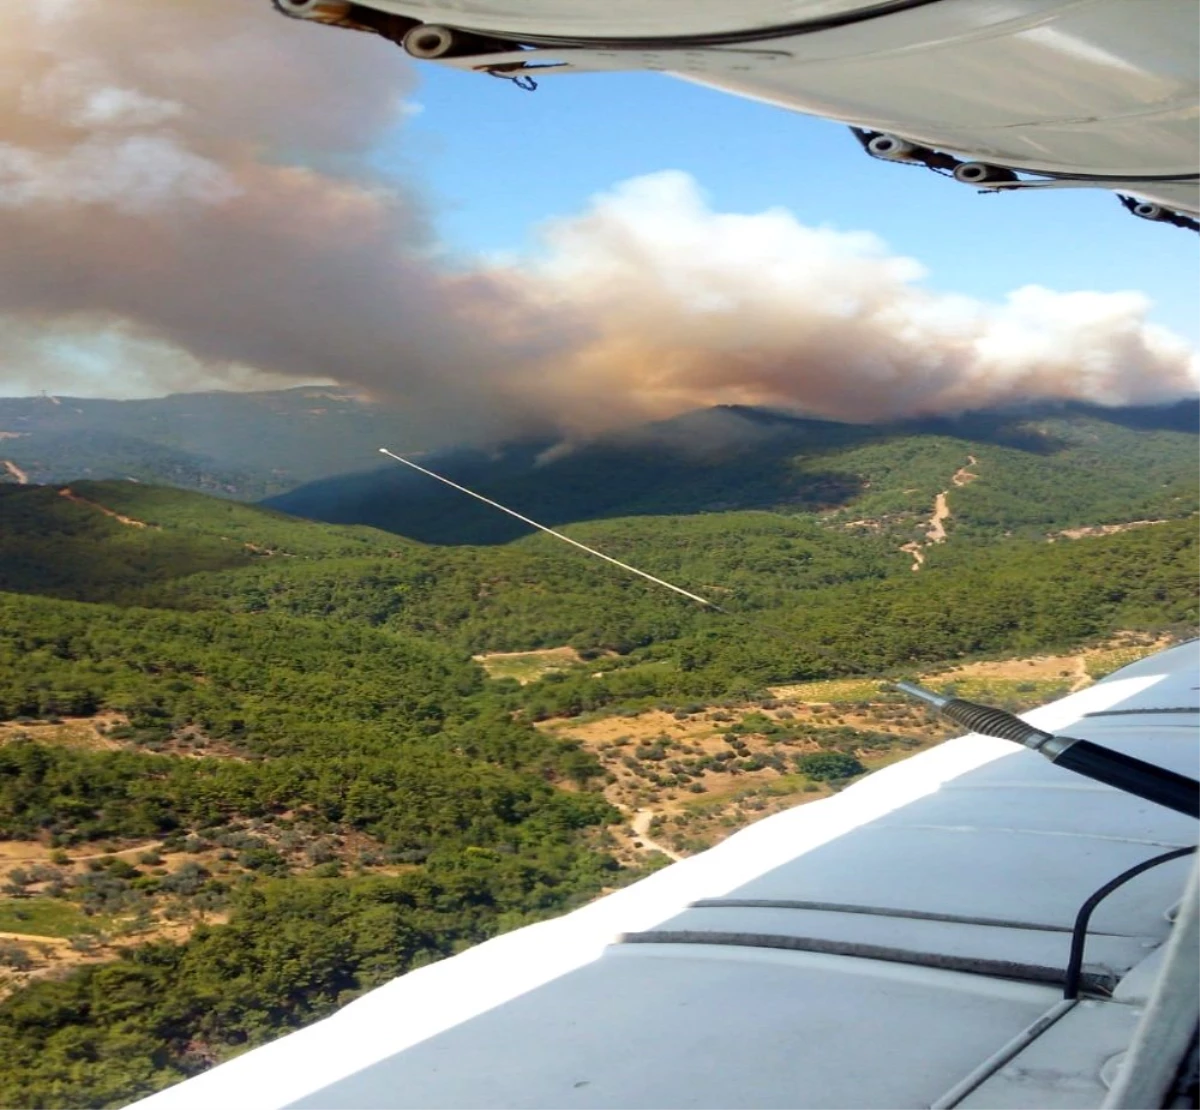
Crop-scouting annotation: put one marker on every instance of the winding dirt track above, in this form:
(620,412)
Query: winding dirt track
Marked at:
(640,824)
(35,938)
(70,495)
(20,475)
(935,531)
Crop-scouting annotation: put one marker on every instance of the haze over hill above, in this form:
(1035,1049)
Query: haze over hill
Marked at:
(275,244)
(243,445)
(310,451)
(1042,466)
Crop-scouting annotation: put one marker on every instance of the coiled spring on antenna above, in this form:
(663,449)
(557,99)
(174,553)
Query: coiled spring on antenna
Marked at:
(993,722)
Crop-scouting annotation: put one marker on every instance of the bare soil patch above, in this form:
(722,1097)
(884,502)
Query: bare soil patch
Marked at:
(964,474)
(67,492)
(1100,530)
(69,732)
(935,530)
(687,780)
(12,468)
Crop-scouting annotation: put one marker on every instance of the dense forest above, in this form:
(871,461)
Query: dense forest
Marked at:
(257,755)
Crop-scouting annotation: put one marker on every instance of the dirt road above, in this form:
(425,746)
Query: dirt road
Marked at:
(935,530)
(640,825)
(20,475)
(70,495)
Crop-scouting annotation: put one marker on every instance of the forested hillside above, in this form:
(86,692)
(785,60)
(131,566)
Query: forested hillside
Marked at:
(1040,469)
(251,766)
(344,796)
(311,450)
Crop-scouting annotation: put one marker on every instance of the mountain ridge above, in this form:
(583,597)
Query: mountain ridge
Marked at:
(262,445)
(1097,465)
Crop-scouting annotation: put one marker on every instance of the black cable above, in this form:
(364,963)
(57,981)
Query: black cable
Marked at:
(1133,776)
(1079,933)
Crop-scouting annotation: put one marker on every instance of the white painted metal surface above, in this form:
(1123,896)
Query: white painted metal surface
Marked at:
(568,1014)
(623,18)
(1095,89)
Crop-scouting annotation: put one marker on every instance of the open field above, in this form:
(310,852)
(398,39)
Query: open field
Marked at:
(44,917)
(70,732)
(527,666)
(724,767)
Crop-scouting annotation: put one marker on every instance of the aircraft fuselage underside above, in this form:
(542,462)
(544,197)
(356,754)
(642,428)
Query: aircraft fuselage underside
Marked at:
(1003,96)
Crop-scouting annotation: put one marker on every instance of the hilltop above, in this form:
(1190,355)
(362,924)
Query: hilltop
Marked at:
(1039,470)
(308,451)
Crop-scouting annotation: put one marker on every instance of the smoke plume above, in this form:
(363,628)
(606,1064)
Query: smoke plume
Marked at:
(194,177)
(689,306)
(187,194)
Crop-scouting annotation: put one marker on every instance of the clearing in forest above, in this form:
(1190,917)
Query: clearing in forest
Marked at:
(68,732)
(1100,530)
(687,780)
(528,666)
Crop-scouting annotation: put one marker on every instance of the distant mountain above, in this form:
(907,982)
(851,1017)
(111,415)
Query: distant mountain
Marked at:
(308,452)
(1036,469)
(241,445)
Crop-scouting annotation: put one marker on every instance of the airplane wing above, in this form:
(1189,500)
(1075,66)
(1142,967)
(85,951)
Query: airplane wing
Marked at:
(904,943)
(1001,96)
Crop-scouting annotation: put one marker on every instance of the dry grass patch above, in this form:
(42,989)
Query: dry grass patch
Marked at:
(528,666)
(831,692)
(707,763)
(1122,651)
(666,762)
(69,732)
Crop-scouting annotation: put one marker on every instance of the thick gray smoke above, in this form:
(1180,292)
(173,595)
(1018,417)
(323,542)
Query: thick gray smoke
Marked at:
(185,187)
(186,194)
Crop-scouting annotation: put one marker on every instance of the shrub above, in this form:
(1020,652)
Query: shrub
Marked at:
(828,766)
(14,956)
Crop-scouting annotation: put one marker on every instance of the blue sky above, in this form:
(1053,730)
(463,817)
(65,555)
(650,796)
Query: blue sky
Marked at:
(496,161)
